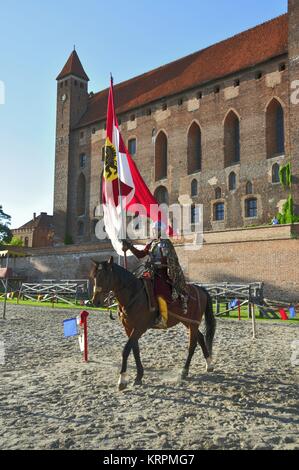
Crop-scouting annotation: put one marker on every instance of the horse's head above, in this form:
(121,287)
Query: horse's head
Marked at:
(102,280)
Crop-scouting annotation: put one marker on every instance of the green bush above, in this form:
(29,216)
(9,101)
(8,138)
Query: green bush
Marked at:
(285,175)
(287,214)
(16,241)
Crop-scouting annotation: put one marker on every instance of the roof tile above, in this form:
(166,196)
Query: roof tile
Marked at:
(73,66)
(239,52)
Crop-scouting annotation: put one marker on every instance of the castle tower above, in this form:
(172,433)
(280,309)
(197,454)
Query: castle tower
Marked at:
(293,7)
(72,100)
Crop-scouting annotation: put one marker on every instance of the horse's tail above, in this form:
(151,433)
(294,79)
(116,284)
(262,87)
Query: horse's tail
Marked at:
(210,323)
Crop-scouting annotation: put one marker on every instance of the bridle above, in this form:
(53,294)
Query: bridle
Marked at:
(99,290)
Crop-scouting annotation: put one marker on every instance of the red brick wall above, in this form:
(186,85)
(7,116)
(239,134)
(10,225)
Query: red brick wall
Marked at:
(271,256)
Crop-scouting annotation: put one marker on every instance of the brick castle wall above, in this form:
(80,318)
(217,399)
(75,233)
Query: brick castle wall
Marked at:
(269,255)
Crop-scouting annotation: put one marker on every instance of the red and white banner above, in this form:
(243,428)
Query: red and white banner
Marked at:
(123,186)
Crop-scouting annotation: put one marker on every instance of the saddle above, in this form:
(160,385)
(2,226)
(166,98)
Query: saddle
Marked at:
(159,304)
(155,304)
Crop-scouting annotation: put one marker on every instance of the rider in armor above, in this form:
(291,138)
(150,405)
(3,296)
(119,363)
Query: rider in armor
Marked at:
(169,279)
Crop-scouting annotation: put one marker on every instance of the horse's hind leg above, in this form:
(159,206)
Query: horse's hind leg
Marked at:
(192,347)
(136,352)
(202,343)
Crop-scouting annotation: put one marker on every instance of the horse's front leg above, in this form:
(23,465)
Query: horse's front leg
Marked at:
(131,344)
(122,382)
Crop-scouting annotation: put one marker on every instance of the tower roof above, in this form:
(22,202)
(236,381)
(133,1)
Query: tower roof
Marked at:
(73,66)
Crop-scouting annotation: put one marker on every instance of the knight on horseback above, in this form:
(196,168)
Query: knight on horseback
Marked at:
(164,277)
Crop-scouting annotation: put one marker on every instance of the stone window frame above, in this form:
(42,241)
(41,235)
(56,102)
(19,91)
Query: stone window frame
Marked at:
(228,161)
(249,188)
(276,165)
(162,176)
(199,169)
(270,155)
(251,197)
(193,182)
(130,139)
(162,187)
(214,204)
(232,187)
(82,160)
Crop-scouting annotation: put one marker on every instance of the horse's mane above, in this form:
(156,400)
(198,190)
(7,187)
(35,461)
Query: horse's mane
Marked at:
(124,274)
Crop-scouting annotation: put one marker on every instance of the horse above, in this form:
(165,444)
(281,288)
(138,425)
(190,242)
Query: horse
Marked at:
(137,317)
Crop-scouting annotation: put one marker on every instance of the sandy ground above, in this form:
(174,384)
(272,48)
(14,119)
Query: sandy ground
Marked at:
(50,399)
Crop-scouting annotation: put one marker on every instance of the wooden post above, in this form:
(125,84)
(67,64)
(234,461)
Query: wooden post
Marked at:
(253,322)
(83,317)
(217,302)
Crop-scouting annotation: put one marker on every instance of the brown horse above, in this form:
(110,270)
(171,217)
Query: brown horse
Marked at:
(137,318)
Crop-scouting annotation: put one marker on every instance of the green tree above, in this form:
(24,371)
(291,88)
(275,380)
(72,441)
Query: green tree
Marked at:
(16,241)
(5,232)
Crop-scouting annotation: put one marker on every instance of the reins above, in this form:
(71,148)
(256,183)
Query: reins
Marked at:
(117,292)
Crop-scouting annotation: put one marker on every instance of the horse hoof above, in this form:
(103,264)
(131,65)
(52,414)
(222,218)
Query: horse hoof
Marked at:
(122,386)
(138,383)
(184,374)
(210,368)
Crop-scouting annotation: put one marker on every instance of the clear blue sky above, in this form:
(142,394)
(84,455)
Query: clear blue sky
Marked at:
(124,37)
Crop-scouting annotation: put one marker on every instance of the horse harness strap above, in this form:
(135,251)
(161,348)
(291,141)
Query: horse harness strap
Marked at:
(184,319)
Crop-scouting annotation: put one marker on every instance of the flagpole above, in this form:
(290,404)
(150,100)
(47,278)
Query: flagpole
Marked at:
(123,231)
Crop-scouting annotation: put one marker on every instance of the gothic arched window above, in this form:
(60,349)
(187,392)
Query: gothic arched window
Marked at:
(194,188)
(249,188)
(194,149)
(161,195)
(161,156)
(232,181)
(231,139)
(275,129)
(275,173)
